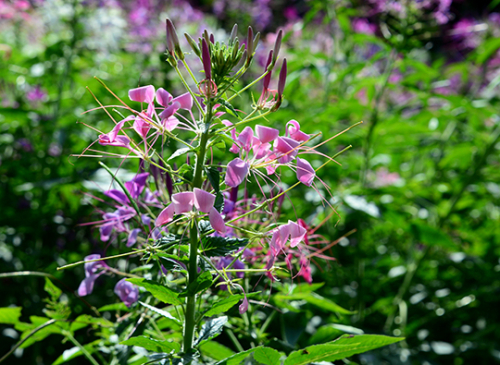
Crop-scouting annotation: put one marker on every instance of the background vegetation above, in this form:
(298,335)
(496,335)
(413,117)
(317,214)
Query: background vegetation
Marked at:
(418,194)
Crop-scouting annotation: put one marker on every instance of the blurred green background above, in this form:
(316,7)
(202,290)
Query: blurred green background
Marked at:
(420,187)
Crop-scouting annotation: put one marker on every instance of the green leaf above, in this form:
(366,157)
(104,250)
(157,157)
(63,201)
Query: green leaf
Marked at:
(10,315)
(314,299)
(114,307)
(74,352)
(487,49)
(160,292)
(152,344)
(53,290)
(214,177)
(267,356)
(221,246)
(219,202)
(236,359)
(339,349)
(210,329)
(160,312)
(84,320)
(179,152)
(215,350)
(223,305)
(202,282)
(432,236)
(330,332)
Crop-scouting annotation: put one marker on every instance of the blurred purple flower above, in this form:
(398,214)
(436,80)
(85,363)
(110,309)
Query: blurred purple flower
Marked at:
(385,178)
(91,274)
(363,26)
(127,292)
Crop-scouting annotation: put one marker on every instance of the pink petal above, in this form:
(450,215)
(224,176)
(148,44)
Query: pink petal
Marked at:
(243,306)
(141,126)
(170,123)
(144,94)
(245,138)
(183,202)
(305,172)
(297,233)
(236,172)
(266,134)
(216,221)
(163,97)
(169,111)
(286,146)
(203,200)
(185,101)
(166,215)
(114,132)
(293,129)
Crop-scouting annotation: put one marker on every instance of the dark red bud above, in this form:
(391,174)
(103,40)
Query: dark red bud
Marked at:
(267,78)
(277,46)
(205,56)
(282,79)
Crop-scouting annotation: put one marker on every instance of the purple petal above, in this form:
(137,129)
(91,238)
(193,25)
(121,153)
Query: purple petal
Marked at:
(117,195)
(87,285)
(243,306)
(132,237)
(127,292)
(297,233)
(236,172)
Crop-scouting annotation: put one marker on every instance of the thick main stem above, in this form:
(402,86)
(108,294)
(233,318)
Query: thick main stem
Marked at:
(190,320)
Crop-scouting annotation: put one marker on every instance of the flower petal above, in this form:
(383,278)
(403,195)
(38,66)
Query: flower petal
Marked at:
(305,172)
(144,94)
(266,134)
(297,233)
(217,221)
(183,202)
(166,215)
(185,101)
(203,200)
(127,292)
(236,172)
(163,97)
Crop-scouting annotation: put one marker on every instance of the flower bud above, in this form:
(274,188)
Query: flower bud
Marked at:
(269,69)
(250,49)
(205,56)
(282,79)
(234,33)
(277,46)
(193,45)
(173,40)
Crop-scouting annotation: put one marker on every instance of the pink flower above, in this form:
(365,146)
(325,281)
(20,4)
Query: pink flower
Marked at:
(183,202)
(144,94)
(166,215)
(203,200)
(216,221)
(266,134)
(113,139)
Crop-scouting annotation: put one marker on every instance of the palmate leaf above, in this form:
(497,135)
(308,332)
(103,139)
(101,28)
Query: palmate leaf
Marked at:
(211,328)
(221,246)
(345,346)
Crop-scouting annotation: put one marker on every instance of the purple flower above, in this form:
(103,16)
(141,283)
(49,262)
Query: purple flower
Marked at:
(127,292)
(91,274)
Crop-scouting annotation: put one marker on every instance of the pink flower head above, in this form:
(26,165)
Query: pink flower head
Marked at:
(236,172)
(143,94)
(245,139)
(266,134)
(183,202)
(203,200)
(127,292)
(305,172)
(141,126)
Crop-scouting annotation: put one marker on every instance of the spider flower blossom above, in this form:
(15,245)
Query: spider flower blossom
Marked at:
(183,202)
(92,272)
(268,150)
(127,292)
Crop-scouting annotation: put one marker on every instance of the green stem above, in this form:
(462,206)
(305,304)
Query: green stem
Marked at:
(81,347)
(17,345)
(190,317)
(189,90)
(101,259)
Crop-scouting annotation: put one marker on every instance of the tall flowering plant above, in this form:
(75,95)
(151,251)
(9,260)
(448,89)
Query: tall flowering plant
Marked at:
(199,234)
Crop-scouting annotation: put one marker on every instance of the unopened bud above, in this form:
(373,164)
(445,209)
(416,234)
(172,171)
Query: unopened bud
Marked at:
(269,69)
(282,79)
(249,45)
(212,38)
(234,34)
(193,44)
(205,57)
(277,46)
(235,49)
(173,41)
